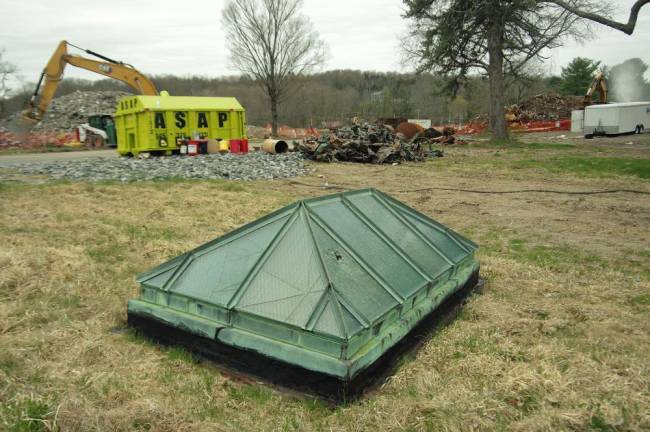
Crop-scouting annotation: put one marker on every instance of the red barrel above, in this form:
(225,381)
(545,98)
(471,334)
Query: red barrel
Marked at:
(244,146)
(193,147)
(235,146)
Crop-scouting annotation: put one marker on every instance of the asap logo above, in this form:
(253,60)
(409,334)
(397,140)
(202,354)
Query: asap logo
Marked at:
(181,120)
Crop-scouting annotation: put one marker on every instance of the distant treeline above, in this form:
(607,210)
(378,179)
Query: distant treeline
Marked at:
(330,96)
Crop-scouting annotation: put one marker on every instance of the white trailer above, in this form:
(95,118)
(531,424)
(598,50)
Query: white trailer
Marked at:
(617,118)
(578,121)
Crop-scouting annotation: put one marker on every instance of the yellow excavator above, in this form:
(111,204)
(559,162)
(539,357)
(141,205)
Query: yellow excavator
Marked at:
(597,84)
(53,73)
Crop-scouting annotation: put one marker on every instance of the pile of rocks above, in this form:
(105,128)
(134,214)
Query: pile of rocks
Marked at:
(250,166)
(60,120)
(67,112)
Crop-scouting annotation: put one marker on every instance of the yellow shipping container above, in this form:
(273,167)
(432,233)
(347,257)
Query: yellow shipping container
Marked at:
(158,123)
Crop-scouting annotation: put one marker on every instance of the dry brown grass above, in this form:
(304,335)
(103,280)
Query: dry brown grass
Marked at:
(557,341)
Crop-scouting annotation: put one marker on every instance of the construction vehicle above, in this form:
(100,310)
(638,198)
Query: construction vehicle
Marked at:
(91,136)
(53,73)
(98,132)
(597,84)
(174,119)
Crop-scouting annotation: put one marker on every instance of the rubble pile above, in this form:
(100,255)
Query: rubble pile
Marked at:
(35,140)
(365,144)
(544,107)
(249,166)
(8,139)
(63,115)
(67,112)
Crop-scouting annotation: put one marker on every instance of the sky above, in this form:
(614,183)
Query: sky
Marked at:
(186,38)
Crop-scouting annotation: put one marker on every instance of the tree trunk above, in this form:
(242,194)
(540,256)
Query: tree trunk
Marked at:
(274,116)
(498,125)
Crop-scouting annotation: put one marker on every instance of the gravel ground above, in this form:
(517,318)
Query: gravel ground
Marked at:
(251,166)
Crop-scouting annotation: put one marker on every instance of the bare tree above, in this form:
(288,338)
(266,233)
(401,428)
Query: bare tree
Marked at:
(8,72)
(272,42)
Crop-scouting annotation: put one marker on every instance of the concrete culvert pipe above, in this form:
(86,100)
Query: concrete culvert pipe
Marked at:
(275,146)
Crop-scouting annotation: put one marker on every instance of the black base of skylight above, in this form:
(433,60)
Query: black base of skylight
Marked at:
(251,365)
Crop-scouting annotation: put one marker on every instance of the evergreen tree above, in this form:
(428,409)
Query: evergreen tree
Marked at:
(578,75)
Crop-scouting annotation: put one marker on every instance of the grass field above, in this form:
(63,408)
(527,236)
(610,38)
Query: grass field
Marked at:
(557,340)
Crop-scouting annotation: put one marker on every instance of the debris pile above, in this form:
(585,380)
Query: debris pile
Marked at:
(409,130)
(8,139)
(366,144)
(63,116)
(67,112)
(477,125)
(544,107)
(444,137)
(35,140)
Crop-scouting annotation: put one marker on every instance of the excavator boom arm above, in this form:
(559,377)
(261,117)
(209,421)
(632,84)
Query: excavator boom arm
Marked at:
(597,84)
(53,73)
(136,80)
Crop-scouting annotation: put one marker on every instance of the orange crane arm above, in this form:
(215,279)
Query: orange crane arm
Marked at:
(53,73)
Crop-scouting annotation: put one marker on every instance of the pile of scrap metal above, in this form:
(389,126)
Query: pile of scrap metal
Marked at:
(440,135)
(366,143)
